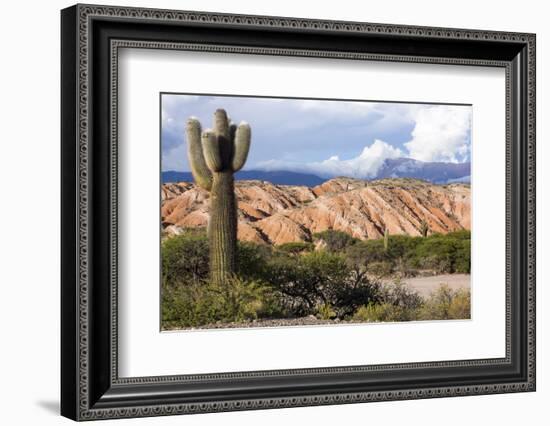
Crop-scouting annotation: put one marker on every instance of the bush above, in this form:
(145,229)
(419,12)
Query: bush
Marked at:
(380,269)
(185,257)
(382,312)
(399,294)
(316,279)
(445,303)
(325,312)
(252,260)
(199,303)
(296,247)
(336,241)
(443,253)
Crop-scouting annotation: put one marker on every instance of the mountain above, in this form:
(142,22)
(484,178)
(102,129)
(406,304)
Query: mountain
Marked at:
(278,214)
(435,172)
(276,177)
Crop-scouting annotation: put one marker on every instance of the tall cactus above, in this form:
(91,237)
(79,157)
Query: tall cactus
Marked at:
(386,239)
(214,156)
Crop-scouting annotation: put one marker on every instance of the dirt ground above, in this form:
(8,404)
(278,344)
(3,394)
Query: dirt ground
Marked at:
(425,285)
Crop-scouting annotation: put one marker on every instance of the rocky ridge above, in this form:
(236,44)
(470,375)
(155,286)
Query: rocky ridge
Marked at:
(278,214)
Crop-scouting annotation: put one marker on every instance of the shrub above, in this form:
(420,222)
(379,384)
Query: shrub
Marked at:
(185,257)
(296,247)
(336,241)
(382,312)
(198,303)
(445,303)
(325,312)
(443,253)
(399,294)
(319,278)
(380,269)
(252,260)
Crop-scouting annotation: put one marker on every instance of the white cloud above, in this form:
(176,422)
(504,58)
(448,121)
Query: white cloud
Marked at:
(441,133)
(365,165)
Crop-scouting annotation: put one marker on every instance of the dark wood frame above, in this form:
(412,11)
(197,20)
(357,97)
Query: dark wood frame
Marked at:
(90,386)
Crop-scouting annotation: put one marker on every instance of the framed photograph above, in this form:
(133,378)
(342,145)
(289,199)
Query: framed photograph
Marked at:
(263,212)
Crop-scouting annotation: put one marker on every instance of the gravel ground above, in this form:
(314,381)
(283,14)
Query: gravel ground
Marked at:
(283,322)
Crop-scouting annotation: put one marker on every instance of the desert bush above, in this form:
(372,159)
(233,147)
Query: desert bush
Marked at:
(448,253)
(380,269)
(198,303)
(296,247)
(445,303)
(461,305)
(400,294)
(252,260)
(336,241)
(381,312)
(315,279)
(185,257)
(326,312)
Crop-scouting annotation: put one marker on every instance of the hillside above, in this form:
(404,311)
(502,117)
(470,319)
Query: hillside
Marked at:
(278,214)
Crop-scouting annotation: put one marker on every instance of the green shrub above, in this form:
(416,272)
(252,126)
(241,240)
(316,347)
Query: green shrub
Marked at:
(198,303)
(296,247)
(381,312)
(445,303)
(252,259)
(336,241)
(319,278)
(325,312)
(443,253)
(185,257)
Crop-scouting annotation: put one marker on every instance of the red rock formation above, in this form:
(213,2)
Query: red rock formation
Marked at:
(277,214)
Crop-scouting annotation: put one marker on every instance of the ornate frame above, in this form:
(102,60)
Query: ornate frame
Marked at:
(91,37)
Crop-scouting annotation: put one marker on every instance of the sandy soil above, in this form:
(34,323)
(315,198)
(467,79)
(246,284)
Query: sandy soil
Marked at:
(425,285)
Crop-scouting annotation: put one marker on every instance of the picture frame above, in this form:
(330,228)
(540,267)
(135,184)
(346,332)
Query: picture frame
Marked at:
(91,37)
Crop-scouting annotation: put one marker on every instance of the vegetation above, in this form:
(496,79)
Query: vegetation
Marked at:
(344,279)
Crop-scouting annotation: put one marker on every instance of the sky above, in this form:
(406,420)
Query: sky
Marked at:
(324,137)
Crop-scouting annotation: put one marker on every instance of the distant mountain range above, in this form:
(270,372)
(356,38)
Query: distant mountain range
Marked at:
(281,177)
(434,172)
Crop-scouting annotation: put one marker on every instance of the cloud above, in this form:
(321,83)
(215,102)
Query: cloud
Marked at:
(365,165)
(327,138)
(441,133)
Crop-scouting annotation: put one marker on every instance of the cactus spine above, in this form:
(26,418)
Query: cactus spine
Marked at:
(214,156)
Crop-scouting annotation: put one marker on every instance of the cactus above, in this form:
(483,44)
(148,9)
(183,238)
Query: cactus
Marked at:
(214,156)
(424,228)
(386,239)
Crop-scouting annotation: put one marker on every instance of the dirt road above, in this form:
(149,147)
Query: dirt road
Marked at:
(425,285)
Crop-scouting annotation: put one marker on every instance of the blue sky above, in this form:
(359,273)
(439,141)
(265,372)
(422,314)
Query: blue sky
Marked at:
(327,138)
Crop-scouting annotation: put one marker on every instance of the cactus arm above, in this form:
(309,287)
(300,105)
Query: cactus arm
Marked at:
(211,151)
(232,130)
(199,169)
(221,123)
(241,146)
